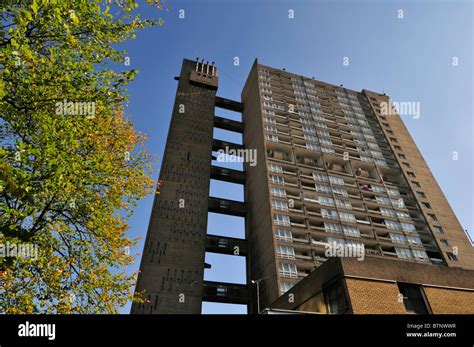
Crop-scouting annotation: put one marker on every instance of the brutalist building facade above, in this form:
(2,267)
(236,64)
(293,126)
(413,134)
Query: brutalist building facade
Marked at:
(342,213)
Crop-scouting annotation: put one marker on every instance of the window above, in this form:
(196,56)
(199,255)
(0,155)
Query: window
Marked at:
(350,230)
(373,145)
(323,133)
(269,120)
(398,203)
(275,168)
(277,180)
(392,224)
(347,217)
(421,195)
(340,191)
(376,154)
(343,204)
(403,215)
(426,205)
(313,147)
(271,128)
(323,188)
(270,137)
(283,235)
(388,212)
(328,150)
(280,219)
(325,201)
(285,286)
(278,192)
(394,140)
(401,156)
(332,228)
(445,242)
(438,229)
(308,129)
(410,174)
(397,148)
(318,176)
(416,184)
(420,254)
(336,180)
(403,253)
(335,297)
(432,217)
(383,200)
(414,240)
(288,270)
(280,205)
(413,298)
(408,227)
(310,137)
(325,141)
(393,192)
(398,238)
(378,189)
(285,252)
(452,256)
(328,213)
(406,165)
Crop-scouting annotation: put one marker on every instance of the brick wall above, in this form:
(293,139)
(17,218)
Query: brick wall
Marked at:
(373,297)
(445,301)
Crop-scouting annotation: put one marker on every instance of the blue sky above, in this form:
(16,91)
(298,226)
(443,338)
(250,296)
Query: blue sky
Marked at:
(410,59)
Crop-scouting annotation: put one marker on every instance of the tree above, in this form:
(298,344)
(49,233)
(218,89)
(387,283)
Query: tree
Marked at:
(72,167)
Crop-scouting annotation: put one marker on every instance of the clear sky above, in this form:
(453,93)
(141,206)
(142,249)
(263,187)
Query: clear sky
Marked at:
(409,58)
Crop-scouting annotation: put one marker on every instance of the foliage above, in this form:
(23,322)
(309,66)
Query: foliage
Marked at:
(71,165)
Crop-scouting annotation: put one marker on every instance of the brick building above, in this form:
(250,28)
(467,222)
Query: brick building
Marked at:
(336,169)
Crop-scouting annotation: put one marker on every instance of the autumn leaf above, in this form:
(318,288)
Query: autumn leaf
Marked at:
(65,185)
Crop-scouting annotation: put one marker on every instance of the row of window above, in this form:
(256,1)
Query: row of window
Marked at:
(348,230)
(431,217)
(360,138)
(400,238)
(407,253)
(393,225)
(388,212)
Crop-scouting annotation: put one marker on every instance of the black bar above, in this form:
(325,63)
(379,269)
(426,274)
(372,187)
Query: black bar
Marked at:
(136,330)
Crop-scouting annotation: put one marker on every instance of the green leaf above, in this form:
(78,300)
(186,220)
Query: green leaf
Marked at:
(34,7)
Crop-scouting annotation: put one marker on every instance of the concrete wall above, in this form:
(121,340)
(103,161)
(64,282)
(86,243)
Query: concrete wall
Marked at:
(261,260)
(172,266)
